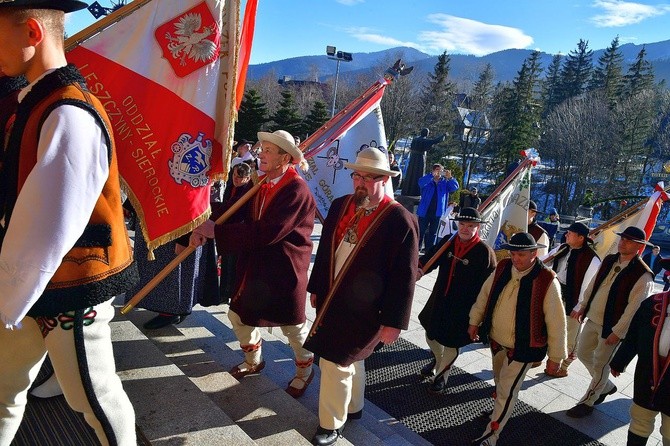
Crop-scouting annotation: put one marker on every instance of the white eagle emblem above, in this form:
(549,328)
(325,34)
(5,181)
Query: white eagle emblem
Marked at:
(190,40)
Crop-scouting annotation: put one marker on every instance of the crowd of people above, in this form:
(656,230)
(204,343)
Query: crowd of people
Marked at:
(58,280)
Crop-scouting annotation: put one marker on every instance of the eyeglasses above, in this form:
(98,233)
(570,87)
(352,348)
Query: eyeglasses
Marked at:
(369,180)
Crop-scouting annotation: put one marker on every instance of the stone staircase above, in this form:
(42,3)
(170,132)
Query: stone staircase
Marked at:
(177,378)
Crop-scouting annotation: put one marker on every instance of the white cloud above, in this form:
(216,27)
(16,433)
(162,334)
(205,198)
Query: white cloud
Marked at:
(620,13)
(369,35)
(471,37)
(350,2)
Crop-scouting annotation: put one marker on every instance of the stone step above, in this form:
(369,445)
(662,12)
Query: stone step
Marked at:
(204,347)
(169,407)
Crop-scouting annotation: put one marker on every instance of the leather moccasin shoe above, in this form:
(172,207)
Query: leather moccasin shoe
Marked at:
(604,395)
(325,437)
(560,373)
(580,411)
(244,369)
(163,320)
(298,392)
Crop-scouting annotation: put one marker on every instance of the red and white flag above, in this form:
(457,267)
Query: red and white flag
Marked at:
(166,74)
(357,126)
(643,216)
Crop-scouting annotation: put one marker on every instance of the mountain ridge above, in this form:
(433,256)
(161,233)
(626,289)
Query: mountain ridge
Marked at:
(506,63)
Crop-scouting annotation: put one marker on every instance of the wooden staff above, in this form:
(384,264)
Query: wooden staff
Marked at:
(439,253)
(188,251)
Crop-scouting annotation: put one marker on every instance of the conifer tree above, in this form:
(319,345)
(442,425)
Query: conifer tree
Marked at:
(576,71)
(252,116)
(640,75)
(317,116)
(551,86)
(482,91)
(520,112)
(287,117)
(608,74)
(436,97)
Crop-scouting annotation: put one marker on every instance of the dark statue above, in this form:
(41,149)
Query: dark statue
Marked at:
(416,168)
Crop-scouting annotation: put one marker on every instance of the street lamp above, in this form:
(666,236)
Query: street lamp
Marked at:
(339,56)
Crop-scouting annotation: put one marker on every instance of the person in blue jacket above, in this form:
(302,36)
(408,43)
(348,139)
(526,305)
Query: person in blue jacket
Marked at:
(435,189)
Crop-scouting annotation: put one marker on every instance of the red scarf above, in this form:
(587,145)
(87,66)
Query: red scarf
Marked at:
(359,220)
(268,190)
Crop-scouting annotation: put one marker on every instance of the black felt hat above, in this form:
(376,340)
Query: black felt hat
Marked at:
(581,229)
(532,206)
(522,241)
(635,234)
(61,5)
(469,214)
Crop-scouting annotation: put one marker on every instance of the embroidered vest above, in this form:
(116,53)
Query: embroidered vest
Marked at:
(536,231)
(578,263)
(530,332)
(100,264)
(623,284)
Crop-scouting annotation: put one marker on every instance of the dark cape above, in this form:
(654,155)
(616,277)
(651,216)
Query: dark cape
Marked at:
(273,255)
(446,316)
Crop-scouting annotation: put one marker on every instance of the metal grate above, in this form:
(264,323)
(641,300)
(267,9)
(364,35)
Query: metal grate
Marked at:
(459,415)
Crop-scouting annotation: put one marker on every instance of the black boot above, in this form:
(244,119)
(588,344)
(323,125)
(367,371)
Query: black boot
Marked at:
(427,370)
(636,440)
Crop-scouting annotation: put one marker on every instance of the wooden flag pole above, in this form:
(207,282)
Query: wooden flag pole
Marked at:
(100,25)
(438,254)
(141,294)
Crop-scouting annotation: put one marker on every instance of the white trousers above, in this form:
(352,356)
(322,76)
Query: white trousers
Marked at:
(596,357)
(444,358)
(342,392)
(251,336)
(508,376)
(80,347)
(642,423)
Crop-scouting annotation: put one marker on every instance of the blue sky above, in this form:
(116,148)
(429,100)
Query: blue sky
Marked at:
(291,28)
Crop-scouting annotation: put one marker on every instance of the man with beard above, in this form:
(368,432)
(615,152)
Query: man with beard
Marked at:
(464,266)
(274,249)
(362,285)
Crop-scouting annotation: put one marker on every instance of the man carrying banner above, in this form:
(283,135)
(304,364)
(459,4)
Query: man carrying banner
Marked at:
(520,313)
(622,282)
(58,279)
(362,285)
(464,266)
(274,250)
(575,263)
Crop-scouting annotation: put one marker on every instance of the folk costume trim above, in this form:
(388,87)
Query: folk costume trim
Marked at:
(530,335)
(77,283)
(622,285)
(376,219)
(660,309)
